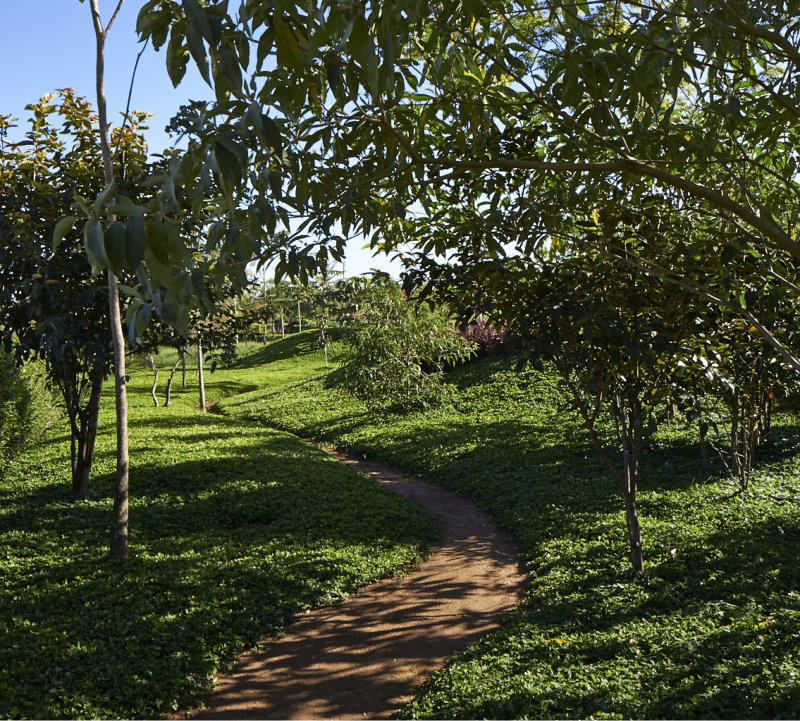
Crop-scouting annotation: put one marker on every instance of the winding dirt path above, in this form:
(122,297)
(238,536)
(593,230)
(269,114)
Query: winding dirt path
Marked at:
(365,657)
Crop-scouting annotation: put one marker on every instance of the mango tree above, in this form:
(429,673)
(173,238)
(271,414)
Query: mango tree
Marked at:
(53,307)
(367,109)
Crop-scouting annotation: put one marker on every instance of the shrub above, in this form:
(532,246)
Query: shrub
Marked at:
(485,336)
(27,407)
(397,349)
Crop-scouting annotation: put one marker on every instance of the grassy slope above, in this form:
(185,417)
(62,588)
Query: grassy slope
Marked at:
(711,630)
(233,527)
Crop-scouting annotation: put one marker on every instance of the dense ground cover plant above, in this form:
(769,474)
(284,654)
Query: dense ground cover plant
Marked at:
(235,528)
(710,629)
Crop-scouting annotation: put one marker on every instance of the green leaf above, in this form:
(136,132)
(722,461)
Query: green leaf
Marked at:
(274,179)
(136,239)
(125,206)
(129,290)
(229,65)
(116,247)
(264,46)
(288,48)
(62,228)
(272,133)
(177,57)
(157,240)
(229,166)
(95,247)
(333,72)
(198,51)
(198,20)
(101,200)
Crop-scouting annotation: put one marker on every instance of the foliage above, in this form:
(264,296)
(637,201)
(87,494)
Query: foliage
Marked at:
(710,629)
(485,119)
(484,335)
(235,528)
(27,408)
(397,348)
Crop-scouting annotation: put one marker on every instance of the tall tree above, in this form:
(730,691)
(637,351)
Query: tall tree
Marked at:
(119,521)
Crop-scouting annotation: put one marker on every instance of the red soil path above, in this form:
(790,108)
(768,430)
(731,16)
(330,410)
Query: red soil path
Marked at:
(365,657)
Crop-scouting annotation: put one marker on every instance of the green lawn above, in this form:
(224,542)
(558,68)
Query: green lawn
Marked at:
(712,629)
(234,527)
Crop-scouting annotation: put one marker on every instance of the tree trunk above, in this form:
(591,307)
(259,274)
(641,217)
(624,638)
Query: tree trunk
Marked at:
(119,520)
(634,531)
(299,317)
(153,368)
(703,444)
(200,373)
(183,367)
(168,399)
(629,436)
(83,434)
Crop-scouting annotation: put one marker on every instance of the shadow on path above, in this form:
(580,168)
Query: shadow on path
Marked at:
(365,657)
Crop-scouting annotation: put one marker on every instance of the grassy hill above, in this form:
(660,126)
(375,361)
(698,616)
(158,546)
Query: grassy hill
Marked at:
(234,527)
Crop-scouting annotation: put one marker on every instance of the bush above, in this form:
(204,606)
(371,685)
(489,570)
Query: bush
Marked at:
(27,408)
(397,349)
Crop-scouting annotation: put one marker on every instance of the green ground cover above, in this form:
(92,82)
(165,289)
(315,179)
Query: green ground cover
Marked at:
(712,628)
(234,527)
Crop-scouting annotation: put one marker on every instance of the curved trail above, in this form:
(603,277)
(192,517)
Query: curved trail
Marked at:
(365,657)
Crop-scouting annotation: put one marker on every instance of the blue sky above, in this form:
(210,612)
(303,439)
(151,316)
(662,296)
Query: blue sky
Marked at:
(49,44)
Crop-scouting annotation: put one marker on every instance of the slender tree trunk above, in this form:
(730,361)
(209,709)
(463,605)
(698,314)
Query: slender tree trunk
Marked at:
(299,317)
(183,367)
(283,330)
(83,429)
(200,373)
(89,432)
(626,482)
(634,531)
(153,368)
(630,458)
(168,399)
(703,445)
(119,522)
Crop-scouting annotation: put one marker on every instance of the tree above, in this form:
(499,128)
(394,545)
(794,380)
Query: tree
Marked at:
(397,348)
(53,307)
(506,128)
(527,104)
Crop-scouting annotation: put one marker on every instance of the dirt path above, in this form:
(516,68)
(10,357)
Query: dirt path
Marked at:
(364,658)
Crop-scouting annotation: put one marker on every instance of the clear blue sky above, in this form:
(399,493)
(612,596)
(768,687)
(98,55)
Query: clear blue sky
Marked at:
(49,44)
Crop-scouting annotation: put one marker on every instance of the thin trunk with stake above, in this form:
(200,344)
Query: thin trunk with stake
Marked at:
(119,521)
